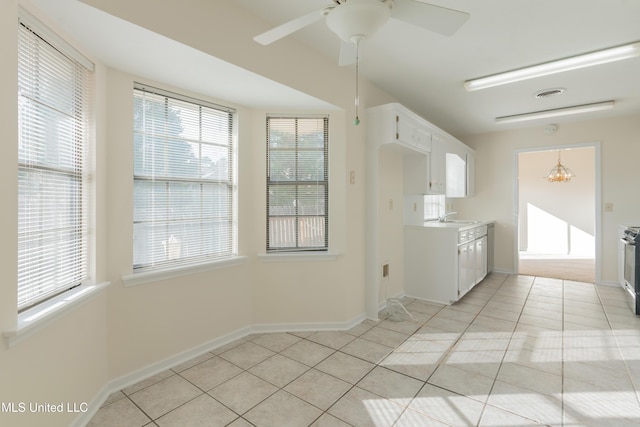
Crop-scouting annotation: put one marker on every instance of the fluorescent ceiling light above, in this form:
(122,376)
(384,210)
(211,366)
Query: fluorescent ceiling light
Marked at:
(573,63)
(577,109)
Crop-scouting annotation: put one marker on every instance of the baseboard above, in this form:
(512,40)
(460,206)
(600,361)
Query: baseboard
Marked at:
(429,300)
(609,283)
(382,305)
(304,327)
(500,271)
(155,368)
(137,376)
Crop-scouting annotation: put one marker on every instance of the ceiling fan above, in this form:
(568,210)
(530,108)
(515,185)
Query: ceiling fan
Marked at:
(356,20)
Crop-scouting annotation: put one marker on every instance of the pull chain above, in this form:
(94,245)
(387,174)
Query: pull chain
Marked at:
(357,99)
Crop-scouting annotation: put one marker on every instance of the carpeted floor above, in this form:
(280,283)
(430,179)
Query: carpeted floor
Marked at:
(579,270)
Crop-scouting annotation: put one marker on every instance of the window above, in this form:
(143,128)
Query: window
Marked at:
(297,183)
(434,207)
(184,185)
(53,183)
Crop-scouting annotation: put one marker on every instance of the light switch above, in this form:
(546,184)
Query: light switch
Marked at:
(608,207)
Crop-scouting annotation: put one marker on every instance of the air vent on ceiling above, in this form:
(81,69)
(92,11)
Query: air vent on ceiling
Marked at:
(547,93)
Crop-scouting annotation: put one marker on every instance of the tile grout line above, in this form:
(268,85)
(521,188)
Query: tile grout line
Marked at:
(495,379)
(566,290)
(448,352)
(618,347)
(334,351)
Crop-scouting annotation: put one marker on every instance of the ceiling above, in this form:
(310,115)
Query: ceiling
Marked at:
(131,48)
(426,71)
(423,70)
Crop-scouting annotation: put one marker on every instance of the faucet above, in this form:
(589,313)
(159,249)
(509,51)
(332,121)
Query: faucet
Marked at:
(443,218)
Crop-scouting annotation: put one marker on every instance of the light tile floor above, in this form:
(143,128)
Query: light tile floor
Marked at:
(515,351)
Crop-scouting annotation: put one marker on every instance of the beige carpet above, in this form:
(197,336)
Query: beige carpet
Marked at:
(579,270)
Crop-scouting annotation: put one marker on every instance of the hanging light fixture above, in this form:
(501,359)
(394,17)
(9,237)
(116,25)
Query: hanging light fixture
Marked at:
(559,173)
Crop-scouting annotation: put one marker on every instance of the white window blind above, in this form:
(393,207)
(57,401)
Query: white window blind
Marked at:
(184,181)
(53,188)
(297,183)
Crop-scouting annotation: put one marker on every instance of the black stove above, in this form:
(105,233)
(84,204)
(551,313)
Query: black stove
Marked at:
(631,241)
(632,234)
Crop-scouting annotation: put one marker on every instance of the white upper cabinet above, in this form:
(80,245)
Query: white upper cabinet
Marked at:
(427,170)
(456,166)
(411,132)
(471,171)
(460,169)
(438,171)
(395,124)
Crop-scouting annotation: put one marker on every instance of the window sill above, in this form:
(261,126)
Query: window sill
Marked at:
(298,257)
(43,314)
(136,279)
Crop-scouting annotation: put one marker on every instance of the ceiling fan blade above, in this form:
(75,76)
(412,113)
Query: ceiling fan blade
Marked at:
(290,27)
(431,17)
(347,53)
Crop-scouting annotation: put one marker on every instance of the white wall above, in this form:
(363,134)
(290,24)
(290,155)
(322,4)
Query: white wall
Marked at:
(125,330)
(153,321)
(67,360)
(391,220)
(495,179)
(278,293)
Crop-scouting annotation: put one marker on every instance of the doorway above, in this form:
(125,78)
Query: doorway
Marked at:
(557,222)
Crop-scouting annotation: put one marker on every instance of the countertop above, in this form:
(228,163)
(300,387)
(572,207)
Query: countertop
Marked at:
(452,224)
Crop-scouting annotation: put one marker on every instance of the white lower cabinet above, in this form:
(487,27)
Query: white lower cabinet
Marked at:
(444,262)
(466,267)
(481,258)
(472,258)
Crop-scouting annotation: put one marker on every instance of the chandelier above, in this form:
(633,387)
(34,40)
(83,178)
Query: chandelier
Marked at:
(559,173)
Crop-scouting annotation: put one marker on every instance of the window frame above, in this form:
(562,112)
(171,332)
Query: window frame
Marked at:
(42,55)
(272,183)
(145,273)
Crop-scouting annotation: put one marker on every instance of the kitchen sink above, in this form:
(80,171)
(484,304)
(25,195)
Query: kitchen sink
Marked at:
(462,221)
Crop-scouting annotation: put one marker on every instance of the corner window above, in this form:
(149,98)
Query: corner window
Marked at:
(54,105)
(297,183)
(184,181)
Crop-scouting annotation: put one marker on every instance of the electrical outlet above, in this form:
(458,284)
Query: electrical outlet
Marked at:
(415,207)
(385,270)
(352,177)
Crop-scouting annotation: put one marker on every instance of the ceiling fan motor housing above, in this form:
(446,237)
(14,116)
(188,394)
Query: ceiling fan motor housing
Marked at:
(356,20)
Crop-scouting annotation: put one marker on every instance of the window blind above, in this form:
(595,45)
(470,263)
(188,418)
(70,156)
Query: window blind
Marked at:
(53,187)
(297,183)
(184,181)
